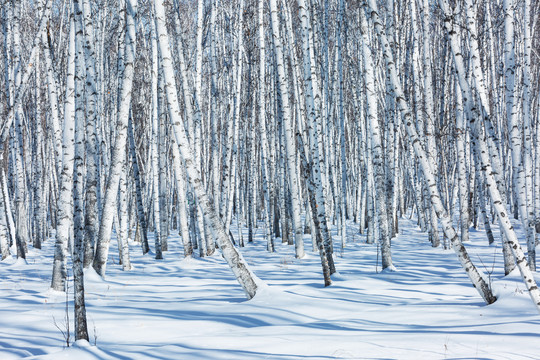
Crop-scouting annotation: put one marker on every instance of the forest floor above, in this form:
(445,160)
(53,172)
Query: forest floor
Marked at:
(195,309)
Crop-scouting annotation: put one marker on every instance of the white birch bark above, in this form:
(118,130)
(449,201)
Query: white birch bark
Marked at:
(483,152)
(520,154)
(494,144)
(19,91)
(343,212)
(81,329)
(4,235)
(123,222)
(91,221)
(181,189)
(194,119)
(214,110)
(463,183)
(431,146)
(156,111)
(141,215)
(290,146)
(527,130)
(52,88)
(267,185)
(376,149)
(111,192)
(312,99)
(234,259)
(37,211)
(462,254)
(65,213)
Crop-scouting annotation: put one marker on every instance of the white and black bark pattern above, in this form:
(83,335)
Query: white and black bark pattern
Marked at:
(234,259)
(213,110)
(4,235)
(290,146)
(234,137)
(19,81)
(312,99)
(474,275)
(81,329)
(528,165)
(181,195)
(163,180)
(38,211)
(91,215)
(65,212)
(424,126)
(117,159)
(194,118)
(463,183)
(376,149)
(262,124)
(157,109)
(515,132)
(482,152)
(122,229)
(141,215)
(493,142)
(429,113)
(341,112)
(19,90)
(52,87)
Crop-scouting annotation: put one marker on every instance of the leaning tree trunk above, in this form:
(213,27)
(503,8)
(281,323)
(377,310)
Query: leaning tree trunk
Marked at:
(238,265)
(117,160)
(483,154)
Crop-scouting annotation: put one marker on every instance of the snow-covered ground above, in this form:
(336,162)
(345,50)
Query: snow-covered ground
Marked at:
(194,309)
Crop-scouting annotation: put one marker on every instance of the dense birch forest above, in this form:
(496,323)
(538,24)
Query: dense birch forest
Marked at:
(133,120)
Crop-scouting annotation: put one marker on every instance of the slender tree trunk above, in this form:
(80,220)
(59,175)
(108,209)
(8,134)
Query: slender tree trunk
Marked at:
(290,146)
(235,260)
(483,152)
(463,183)
(65,213)
(474,275)
(138,190)
(111,191)
(91,220)
(376,149)
(81,329)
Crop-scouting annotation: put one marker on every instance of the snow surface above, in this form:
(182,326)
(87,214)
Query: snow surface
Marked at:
(195,309)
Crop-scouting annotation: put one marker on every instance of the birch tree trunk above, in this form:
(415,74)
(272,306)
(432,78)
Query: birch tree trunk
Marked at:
(157,82)
(234,259)
(463,183)
(315,183)
(483,152)
(91,220)
(65,213)
(290,146)
(111,191)
(376,148)
(81,329)
(4,235)
(267,185)
(474,275)
(515,132)
(138,190)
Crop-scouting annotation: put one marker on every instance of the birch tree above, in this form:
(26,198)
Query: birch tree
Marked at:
(234,259)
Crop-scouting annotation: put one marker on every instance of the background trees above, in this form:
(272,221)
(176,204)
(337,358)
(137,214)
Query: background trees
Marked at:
(283,117)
